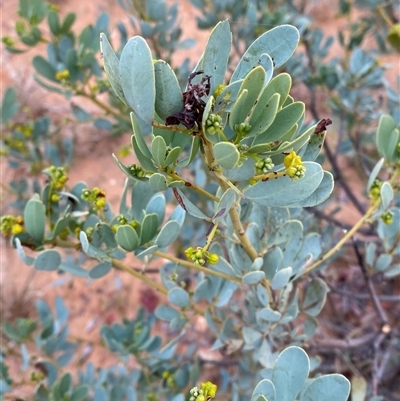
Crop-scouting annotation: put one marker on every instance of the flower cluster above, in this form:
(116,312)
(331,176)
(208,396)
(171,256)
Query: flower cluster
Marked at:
(205,393)
(121,220)
(213,124)
(264,165)
(169,379)
(96,196)
(11,225)
(62,75)
(294,166)
(58,178)
(387,217)
(136,170)
(242,129)
(199,256)
(375,189)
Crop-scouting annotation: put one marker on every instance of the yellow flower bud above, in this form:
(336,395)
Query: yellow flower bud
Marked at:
(17,229)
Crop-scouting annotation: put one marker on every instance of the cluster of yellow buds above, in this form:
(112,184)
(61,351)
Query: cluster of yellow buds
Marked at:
(294,166)
(121,220)
(213,124)
(136,170)
(199,256)
(264,165)
(16,144)
(205,393)
(25,129)
(58,176)
(220,88)
(11,225)
(169,379)
(62,75)
(96,196)
(387,217)
(8,41)
(375,189)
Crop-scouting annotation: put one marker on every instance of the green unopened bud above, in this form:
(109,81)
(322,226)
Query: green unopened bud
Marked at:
(136,170)
(387,217)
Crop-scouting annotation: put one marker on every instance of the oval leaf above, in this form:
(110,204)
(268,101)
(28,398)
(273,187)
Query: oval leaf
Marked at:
(127,237)
(35,219)
(226,154)
(48,260)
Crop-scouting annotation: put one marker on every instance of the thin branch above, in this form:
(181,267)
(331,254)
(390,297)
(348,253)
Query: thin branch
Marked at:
(350,343)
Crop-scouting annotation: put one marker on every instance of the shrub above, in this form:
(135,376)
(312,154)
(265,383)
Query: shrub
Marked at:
(224,171)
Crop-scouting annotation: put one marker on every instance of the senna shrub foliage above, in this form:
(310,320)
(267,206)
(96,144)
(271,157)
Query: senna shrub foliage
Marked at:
(233,156)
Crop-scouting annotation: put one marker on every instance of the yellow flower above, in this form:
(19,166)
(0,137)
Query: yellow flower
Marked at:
(294,166)
(209,389)
(17,229)
(62,75)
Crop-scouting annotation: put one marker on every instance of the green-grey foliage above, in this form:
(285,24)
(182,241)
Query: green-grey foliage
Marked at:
(226,164)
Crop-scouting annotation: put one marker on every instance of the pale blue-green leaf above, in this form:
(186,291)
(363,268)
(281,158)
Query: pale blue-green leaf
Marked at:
(253,277)
(137,77)
(80,393)
(193,152)
(191,208)
(280,84)
(48,260)
(111,66)
(250,336)
(263,115)
(253,83)
(148,251)
(168,99)
(144,161)
(279,43)
(359,387)
(127,237)
(265,355)
(281,278)
(25,360)
(284,191)
(159,149)
(315,297)
(227,98)
(310,326)
(226,154)
(370,252)
(243,172)
(168,234)
(35,219)
(327,388)
(137,132)
(266,62)
(383,262)
(296,144)
(100,394)
(264,388)
(141,195)
(257,264)
(272,262)
(387,137)
(284,120)
(223,266)
(178,215)
(225,293)
(148,228)
(172,156)
(237,116)
(314,146)
(387,195)
(175,184)
(321,194)
(205,290)
(157,205)
(73,269)
(158,182)
(28,260)
(100,270)
(224,206)
(166,313)
(179,297)
(262,295)
(216,54)
(268,315)
(290,372)
(393,271)
(374,173)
